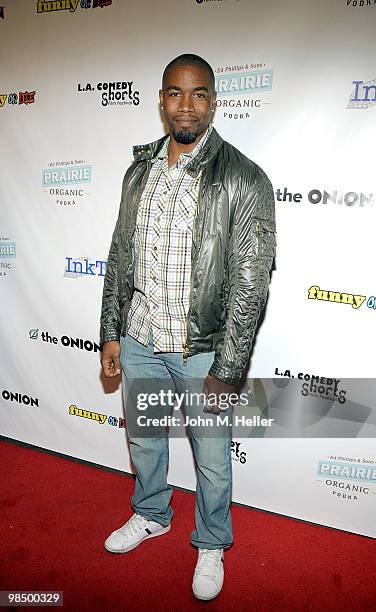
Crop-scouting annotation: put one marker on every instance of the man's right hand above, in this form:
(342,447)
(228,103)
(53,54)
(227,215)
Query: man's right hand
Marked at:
(110,359)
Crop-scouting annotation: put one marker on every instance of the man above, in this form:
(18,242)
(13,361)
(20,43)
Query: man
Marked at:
(187,278)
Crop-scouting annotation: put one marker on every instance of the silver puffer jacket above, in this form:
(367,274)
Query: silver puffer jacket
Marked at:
(233,247)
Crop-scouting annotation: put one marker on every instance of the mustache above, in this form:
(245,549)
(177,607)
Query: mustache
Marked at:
(185,116)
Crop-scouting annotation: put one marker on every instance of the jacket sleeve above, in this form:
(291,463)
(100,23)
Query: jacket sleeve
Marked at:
(250,257)
(110,322)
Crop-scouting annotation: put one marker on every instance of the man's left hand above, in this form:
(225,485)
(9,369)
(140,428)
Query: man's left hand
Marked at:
(214,388)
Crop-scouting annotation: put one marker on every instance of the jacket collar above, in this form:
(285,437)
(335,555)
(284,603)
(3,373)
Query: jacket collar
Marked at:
(208,151)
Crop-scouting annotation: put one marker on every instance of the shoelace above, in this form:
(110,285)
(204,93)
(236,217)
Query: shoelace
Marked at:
(135,524)
(208,562)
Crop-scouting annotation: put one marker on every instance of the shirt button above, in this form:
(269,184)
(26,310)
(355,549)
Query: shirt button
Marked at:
(155,248)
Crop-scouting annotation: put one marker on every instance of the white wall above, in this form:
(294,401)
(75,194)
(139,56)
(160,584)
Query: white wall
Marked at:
(301,129)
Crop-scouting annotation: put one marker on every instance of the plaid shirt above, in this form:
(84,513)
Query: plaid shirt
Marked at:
(162,250)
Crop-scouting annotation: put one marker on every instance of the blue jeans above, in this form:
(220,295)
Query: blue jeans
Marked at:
(150,455)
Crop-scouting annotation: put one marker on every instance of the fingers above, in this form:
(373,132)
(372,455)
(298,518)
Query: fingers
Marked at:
(111,358)
(116,365)
(111,365)
(219,395)
(208,393)
(108,369)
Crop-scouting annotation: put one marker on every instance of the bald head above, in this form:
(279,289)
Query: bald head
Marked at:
(189,59)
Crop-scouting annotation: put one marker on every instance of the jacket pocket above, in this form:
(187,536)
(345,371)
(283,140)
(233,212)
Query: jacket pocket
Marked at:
(265,231)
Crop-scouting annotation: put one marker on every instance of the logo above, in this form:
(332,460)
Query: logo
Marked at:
(348,478)
(335,297)
(7,249)
(241,89)
(237,454)
(7,254)
(317,386)
(96,416)
(81,266)
(244,82)
(355,301)
(116,93)
(67,341)
(65,181)
(322,196)
(20,398)
(360,3)
(70,5)
(323,388)
(363,95)
(23,97)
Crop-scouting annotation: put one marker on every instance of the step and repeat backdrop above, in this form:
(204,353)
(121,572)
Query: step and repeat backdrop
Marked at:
(296,83)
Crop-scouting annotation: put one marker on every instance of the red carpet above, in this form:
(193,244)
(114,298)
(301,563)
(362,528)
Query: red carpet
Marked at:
(56,513)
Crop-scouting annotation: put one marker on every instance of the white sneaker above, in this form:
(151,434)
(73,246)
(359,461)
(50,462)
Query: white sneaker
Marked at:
(209,573)
(135,531)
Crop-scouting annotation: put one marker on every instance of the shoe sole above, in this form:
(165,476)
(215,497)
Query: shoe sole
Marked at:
(151,535)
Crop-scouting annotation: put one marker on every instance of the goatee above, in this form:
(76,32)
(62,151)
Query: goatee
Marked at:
(184,136)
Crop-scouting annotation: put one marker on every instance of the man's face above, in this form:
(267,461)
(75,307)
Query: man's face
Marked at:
(187,99)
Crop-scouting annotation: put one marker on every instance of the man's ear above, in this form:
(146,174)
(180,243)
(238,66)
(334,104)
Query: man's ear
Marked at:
(161,97)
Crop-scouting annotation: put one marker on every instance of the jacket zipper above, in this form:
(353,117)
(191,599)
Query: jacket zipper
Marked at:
(140,189)
(258,236)
(186,343)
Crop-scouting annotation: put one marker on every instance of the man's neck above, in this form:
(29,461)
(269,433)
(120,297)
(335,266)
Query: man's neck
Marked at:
(175,148)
